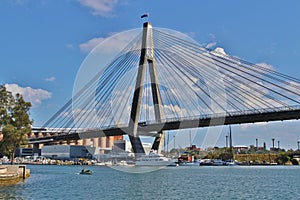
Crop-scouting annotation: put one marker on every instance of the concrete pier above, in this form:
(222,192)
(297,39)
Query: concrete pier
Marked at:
(11,174)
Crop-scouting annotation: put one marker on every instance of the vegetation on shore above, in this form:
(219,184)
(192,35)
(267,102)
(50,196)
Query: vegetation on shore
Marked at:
(252,155)
(14,122)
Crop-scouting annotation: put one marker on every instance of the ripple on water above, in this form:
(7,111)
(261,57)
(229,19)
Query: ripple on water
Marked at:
(64,182)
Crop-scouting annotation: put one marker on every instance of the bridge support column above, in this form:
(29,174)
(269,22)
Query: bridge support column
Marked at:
(79,142)
(158,142)
(137,97)
(147,58)
(86,142)
(109,141)
(102,144)
(95,142)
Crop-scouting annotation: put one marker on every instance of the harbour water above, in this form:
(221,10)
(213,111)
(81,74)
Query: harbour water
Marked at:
(240,182)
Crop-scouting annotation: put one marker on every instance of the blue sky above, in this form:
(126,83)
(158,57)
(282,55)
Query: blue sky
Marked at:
(43,44)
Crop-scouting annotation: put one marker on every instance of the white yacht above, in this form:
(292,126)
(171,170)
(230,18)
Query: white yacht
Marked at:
(154,159)
(217,162)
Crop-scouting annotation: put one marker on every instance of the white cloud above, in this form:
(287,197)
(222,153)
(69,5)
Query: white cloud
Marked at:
(266,66)
(50,79)
(112,44)
(35,96)
(220,50)
(92,43)
(210,45)
(102,8)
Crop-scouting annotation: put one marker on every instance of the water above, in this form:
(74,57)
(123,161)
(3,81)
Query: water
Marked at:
(65,182)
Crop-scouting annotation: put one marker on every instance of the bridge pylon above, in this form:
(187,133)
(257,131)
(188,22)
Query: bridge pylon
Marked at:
(147,58)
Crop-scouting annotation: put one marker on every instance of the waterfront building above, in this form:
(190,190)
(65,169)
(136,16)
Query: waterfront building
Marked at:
(239,148)
(23,152)
(66,152)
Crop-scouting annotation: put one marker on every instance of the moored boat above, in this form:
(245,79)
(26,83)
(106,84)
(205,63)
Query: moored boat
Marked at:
(154,159)
(206,162)
(217,162)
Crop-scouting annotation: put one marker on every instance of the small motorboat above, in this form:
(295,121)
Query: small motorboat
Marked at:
(86,172)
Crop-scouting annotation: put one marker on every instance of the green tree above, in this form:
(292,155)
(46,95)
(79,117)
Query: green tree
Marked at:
(14,121)
(6,99)
(282,159)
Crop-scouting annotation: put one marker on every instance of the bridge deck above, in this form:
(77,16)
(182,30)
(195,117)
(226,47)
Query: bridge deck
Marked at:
(152,129)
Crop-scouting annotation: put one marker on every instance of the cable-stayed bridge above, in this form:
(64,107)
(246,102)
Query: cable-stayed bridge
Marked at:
(161,80)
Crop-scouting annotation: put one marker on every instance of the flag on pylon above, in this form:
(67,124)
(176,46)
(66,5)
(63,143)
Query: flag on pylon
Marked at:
(145,15)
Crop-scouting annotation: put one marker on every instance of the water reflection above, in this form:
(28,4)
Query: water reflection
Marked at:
(11,182)
(9,189)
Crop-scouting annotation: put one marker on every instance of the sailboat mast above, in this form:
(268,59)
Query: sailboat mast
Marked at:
(230,142)
(190,140)
(168,142)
